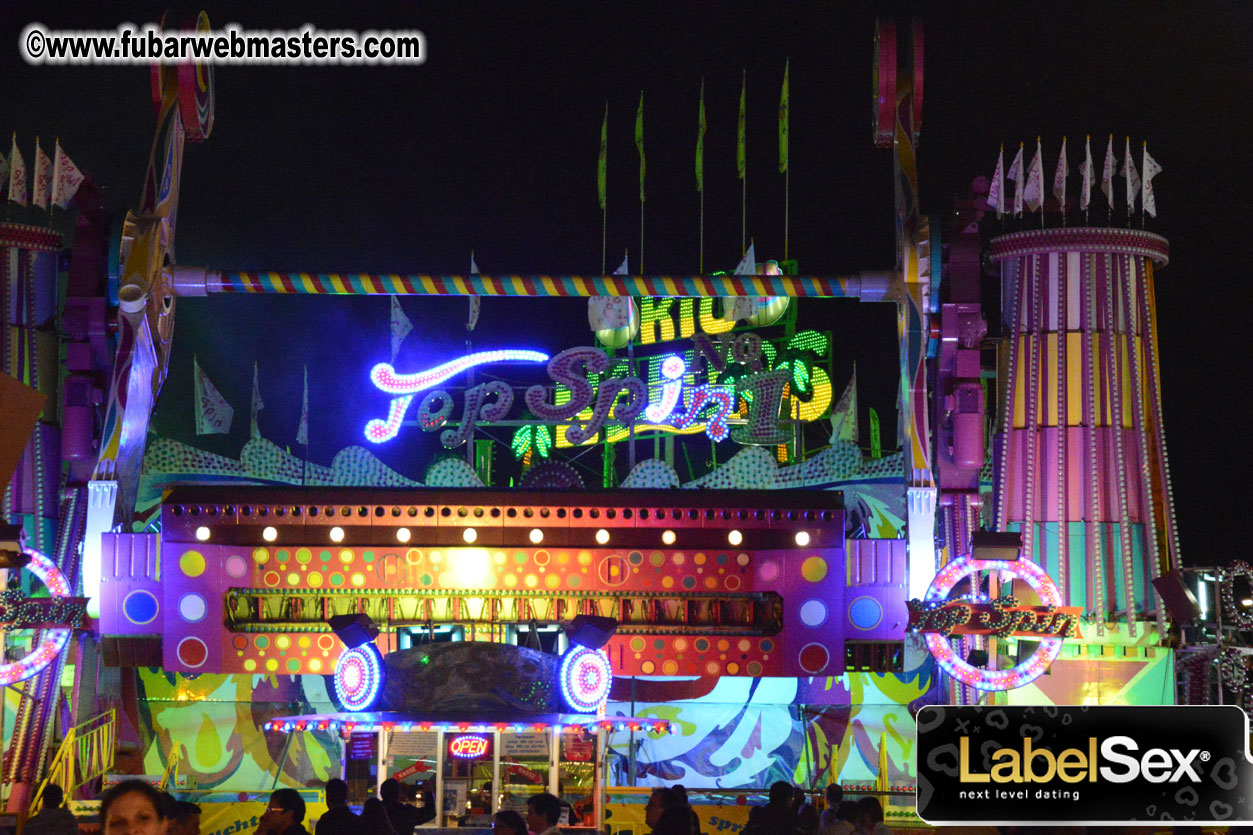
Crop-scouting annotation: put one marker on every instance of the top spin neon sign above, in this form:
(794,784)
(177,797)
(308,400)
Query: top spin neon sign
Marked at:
(590,393)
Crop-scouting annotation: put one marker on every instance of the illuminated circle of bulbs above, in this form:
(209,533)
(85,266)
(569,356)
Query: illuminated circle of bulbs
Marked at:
(537,536)
(602,536)
(402,534)
(735,537)
(802,538)
(359,677)
(270,533)
(1025,671)
(54,640)
(585,678)
(337,534)
(202,534)
(469,534)
(668,537)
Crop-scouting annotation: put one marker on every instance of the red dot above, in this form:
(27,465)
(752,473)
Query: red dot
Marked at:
(192,652)
(814,658)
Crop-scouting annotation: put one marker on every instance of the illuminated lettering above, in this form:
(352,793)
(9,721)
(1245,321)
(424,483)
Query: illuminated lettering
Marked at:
(468,746)
(764,393)
(655,322)
(472,413)
(563,368)
(672,369)
(609,390)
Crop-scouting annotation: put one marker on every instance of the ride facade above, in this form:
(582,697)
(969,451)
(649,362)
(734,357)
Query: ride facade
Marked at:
(782,618)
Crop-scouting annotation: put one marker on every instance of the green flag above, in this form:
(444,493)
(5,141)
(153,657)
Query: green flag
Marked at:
(739,146)
(600,166)
(876,443)
(700,141)
(639,141)
(783,121)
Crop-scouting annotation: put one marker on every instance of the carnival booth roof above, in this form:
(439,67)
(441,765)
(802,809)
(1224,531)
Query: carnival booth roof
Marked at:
(420,722)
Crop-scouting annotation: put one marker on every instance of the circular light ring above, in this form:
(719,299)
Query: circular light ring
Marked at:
(1024,672)
(585,679)
(54,640)
(359,677)
(203,533)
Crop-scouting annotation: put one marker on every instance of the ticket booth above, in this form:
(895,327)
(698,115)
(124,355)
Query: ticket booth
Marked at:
(467,771)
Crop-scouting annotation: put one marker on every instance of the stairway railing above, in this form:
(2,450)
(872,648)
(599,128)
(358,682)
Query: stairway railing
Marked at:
(85,754)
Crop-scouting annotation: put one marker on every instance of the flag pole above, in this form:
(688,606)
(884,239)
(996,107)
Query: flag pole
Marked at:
(787,180)
(700,170)
(743,172)
(1041,157)
(784,138)
(304,461)
(603,190)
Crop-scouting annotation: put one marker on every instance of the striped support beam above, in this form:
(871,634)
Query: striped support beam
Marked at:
(869,287)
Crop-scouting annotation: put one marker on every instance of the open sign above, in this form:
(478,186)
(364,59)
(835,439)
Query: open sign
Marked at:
(469,747)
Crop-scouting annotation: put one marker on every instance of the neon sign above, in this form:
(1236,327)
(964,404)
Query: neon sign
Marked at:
(585,678)
(1049,623)
(591,394)
(385,377)
(468,747)
(1003,617)
(54,640)
(359,677)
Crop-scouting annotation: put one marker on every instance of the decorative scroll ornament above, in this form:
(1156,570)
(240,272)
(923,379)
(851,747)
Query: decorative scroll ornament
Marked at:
(988,617)
(1235,614)
(54,640)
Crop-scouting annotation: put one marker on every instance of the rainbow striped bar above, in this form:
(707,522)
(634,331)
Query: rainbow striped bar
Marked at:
(865,286)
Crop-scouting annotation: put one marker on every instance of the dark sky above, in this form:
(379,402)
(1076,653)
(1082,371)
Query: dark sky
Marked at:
(491,145)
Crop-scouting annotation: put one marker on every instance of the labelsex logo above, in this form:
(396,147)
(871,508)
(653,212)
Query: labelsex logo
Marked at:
(1073,765)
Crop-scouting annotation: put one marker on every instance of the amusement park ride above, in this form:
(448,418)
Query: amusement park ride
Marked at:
(241,582)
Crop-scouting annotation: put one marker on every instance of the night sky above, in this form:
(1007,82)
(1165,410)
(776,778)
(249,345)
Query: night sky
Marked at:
(491,146)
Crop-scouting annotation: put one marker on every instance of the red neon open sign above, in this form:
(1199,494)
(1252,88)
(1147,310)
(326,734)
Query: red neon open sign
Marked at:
(468,746)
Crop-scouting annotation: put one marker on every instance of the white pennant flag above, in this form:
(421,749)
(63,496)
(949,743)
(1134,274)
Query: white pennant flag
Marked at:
(302,432)
(17,175)
(257,405)
(1107,175)
(43,177)
(1033,194)
(623,268)
(748,264)
(996,193)
(844,415)
(735,308)
(1133,179)
(1151,170)
(1059,178)
(1085,170)
(1015,175)
(476,304)
(213,413)
(400,326)
(66,178)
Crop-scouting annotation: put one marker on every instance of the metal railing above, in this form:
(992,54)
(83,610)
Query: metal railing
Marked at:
(170,776)
(85,754)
